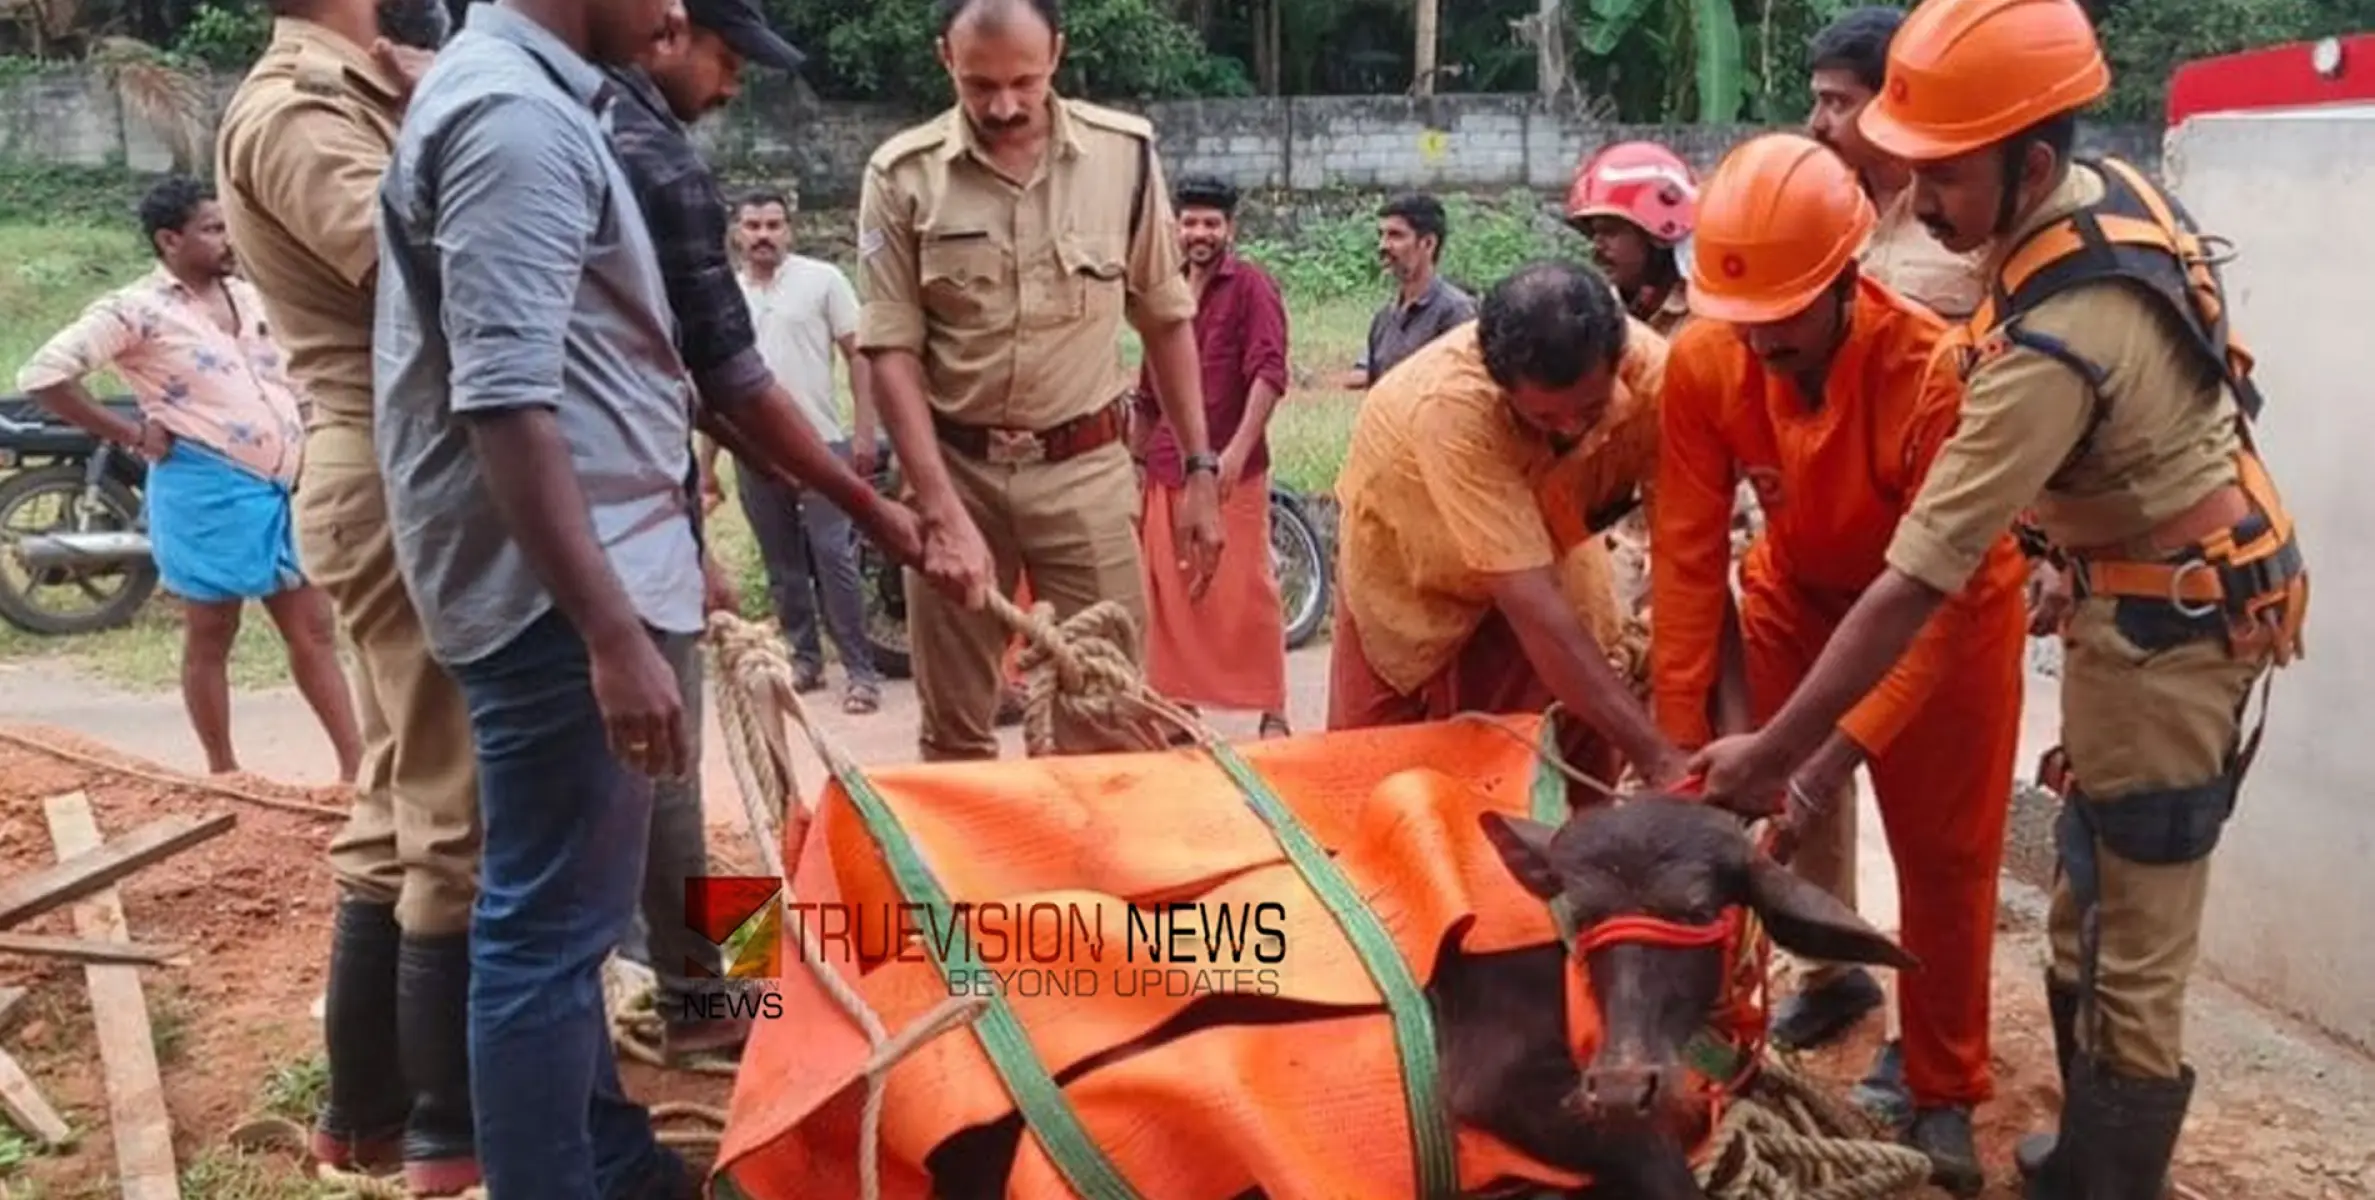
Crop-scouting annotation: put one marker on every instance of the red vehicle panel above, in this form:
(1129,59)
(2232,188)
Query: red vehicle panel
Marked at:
(2330,71)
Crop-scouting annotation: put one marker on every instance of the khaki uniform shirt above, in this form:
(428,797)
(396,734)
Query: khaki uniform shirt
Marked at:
(301,149)
(2168,435)
(1013,293)
(1903,255)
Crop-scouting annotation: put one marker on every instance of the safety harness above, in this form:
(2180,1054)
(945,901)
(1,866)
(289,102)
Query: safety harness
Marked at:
(2244,573)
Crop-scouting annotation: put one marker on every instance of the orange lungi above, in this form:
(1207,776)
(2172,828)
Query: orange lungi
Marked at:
(1227,650)
(1491,674)
(1940,733)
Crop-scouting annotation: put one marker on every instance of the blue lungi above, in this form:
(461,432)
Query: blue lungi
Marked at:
(218,531)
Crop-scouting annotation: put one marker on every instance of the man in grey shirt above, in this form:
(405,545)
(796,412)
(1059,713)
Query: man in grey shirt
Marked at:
(534,426)
(1411,230)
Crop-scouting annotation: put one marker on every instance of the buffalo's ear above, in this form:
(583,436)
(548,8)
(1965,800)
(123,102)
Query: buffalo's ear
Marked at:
(1525,846)
(1811,923)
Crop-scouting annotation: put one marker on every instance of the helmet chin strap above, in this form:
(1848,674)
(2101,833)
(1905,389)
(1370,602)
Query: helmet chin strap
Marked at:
(2015,162)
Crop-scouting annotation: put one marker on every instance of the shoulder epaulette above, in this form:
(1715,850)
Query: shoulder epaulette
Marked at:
(909,142)
(1112,119)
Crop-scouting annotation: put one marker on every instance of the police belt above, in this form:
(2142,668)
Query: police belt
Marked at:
(1010,447)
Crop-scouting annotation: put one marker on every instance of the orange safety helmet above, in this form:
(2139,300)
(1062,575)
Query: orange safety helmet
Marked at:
(1640,182)
(1782,216)
(1966,74)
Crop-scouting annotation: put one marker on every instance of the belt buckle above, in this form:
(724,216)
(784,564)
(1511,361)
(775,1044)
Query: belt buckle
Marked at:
(1013,447)
(2186,608)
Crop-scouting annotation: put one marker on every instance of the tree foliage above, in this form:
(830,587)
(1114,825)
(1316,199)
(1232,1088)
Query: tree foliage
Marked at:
(1646,61)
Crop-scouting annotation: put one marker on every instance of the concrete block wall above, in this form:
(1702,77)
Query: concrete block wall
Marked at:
(776,131)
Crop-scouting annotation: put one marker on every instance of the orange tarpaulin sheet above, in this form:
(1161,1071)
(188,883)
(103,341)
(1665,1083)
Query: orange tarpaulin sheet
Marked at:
(1309,1109)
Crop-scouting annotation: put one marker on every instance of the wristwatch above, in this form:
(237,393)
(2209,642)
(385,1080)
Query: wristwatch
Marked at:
(1203,462)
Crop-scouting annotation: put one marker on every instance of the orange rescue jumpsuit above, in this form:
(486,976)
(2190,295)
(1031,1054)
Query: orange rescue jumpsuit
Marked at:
(1941,732)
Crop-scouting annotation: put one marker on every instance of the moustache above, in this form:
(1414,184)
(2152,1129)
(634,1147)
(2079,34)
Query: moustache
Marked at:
(1002,124)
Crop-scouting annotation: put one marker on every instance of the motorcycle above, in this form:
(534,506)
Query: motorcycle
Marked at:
(74,548)
(1298,560)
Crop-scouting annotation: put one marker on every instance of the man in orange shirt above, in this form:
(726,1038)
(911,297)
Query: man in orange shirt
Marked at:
(1811,380)
(1468,579)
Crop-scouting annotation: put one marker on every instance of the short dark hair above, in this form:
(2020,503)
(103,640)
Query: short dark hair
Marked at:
(1050,11)
(1423,213)
(170,206)
(1549,323)
(1857,42)
(1205,191)
(760,198)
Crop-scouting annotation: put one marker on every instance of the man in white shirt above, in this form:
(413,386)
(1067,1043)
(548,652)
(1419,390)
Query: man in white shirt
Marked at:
(803,310)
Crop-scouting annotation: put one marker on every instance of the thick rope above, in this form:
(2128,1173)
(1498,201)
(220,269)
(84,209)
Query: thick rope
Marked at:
(756,697)
(1786,1138)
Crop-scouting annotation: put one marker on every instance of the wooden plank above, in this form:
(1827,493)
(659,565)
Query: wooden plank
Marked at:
(138,1123)
(84,951)
(88,871)
(26,1106)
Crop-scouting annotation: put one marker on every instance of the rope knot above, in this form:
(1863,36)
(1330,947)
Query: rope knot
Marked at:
(1082,670)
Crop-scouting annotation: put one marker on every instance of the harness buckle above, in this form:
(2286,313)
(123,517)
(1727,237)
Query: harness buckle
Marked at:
(2177,601)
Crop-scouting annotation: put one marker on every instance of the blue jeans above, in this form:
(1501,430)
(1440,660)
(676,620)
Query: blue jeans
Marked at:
(566,828)
(795,528)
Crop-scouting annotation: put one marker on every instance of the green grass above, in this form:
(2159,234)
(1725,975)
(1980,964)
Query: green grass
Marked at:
(56,256)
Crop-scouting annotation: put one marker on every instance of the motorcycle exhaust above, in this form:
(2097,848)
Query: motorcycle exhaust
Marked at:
(85,551)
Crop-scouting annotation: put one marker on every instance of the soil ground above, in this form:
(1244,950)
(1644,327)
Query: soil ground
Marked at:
(2282,1113)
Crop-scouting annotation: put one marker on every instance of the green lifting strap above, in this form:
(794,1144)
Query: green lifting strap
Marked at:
(1035,1093)
(1431,1136)
(1712,1054)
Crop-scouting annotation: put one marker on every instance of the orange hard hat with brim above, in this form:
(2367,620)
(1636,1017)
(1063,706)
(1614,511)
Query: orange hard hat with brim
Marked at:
(1966,74)
(1781,218)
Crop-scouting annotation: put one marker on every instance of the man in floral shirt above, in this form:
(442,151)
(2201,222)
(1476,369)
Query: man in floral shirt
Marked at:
(221,427)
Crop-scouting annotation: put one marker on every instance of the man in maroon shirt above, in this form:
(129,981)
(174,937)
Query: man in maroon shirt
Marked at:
(1226,647)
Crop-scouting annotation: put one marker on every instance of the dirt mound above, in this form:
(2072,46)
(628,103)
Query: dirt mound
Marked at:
(250,908)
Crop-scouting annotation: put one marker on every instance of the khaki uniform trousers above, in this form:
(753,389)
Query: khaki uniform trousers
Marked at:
(412,839)
(2138,720)
(1073,527)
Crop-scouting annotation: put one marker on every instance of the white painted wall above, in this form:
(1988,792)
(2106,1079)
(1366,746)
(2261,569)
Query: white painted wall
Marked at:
(2292,911)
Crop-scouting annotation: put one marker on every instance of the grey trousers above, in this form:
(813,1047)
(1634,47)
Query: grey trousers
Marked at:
(660,937)
(794,529)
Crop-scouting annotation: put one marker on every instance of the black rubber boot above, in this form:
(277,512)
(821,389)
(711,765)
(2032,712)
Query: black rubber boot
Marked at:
(2061,1001)
(1820,1016)
(433,991)
(2119,1135)
(361,1124)
(1945,1135)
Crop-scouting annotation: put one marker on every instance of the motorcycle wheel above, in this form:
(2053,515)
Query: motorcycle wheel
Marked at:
(35,603)
(1300,564)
